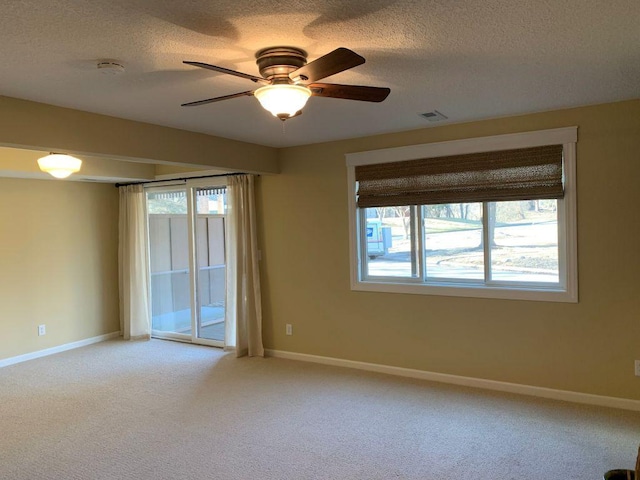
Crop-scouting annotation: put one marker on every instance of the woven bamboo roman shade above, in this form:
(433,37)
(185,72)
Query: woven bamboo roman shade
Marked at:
(520,174)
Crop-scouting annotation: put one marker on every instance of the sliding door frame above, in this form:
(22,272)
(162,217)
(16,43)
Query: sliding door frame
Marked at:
(190,187)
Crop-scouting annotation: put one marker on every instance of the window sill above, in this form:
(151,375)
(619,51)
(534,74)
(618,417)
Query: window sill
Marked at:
(532,293)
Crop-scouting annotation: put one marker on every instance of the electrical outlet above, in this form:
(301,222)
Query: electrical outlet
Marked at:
(637,368)
(42,330)
(289,329)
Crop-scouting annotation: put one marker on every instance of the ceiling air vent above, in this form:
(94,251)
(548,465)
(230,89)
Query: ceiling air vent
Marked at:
(434,116)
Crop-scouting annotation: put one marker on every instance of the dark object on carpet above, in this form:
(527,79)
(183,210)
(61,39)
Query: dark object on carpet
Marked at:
(625,474)
(620,475)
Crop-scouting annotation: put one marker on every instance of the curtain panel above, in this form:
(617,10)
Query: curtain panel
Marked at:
(133,264)
(243,328)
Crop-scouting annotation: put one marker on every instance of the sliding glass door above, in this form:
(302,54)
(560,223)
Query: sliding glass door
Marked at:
(187,262)
(210,255)
(169,261)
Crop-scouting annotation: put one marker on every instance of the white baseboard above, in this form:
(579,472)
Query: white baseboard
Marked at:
(565,395)
(60,348)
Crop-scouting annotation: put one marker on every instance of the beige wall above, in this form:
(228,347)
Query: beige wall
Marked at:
(33,125)
(58,242)
(586,347)
(58,260)
(58,263)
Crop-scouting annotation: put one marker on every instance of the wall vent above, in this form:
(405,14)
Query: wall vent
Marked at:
(433,116)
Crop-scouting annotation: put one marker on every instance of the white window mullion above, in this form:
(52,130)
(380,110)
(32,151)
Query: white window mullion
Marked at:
(422,252)
(487,234)
(362,245)
(415,238)
(193,265)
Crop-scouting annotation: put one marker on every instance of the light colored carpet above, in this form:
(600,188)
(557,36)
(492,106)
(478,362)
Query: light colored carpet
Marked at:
(165,410)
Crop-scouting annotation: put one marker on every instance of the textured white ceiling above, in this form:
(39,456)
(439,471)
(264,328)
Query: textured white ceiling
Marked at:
(469,59)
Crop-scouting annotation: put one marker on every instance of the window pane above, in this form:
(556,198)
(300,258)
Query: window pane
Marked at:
(389,245)
(169,262)
(211,262)
(524,244)
(170,202)
(453,241)
(211,200)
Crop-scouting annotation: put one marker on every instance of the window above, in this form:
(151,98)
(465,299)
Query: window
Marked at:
(486,217)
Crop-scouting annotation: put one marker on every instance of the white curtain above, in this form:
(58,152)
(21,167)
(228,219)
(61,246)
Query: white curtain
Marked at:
(243,329)
(133,264)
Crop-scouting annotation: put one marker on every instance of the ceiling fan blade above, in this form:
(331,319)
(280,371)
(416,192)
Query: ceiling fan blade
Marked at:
(217,99)
(215,68)
(349,92)
(339,60)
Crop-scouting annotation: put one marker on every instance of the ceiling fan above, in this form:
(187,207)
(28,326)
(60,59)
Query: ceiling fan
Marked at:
(288,80)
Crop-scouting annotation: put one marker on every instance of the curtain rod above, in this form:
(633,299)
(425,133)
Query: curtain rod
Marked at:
(181,179)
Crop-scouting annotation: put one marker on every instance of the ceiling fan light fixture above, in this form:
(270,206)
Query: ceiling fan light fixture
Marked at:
(283,101)
(59,165)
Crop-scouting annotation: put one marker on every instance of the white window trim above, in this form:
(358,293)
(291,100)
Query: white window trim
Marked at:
(567,136)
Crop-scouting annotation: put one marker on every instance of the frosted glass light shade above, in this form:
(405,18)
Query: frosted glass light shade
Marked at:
(59,165)
(282,100)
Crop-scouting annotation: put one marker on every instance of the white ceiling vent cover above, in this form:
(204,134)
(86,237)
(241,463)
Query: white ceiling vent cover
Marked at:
(434,116)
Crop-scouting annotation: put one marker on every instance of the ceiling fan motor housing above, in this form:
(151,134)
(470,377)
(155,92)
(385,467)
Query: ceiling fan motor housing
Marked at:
(276,63)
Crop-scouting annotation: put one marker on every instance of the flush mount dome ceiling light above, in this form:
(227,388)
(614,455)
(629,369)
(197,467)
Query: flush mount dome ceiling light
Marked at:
(59,165)
(289,80)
